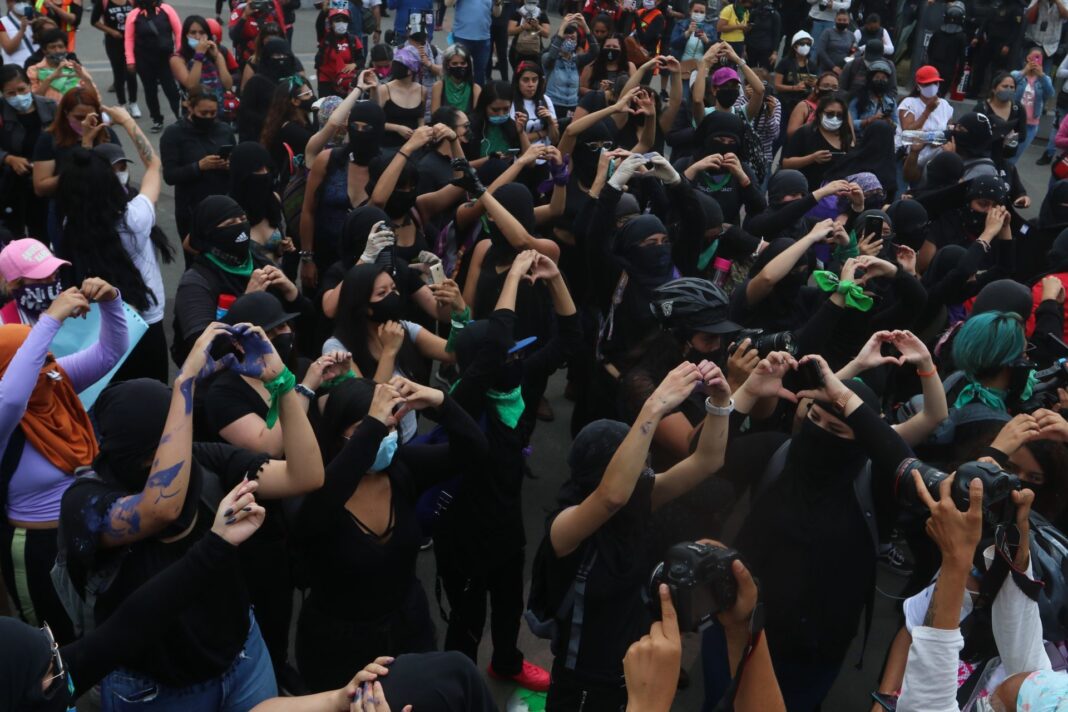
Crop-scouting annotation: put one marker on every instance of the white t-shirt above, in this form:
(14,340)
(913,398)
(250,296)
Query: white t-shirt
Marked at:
(134,233)
(409,423)
(937,120)
(11,25)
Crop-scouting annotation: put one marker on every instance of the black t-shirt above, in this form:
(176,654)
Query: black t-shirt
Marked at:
(805,141)
(114,15)
(31,122)
(792,74)
(229,398)
(435,172)
(203,642)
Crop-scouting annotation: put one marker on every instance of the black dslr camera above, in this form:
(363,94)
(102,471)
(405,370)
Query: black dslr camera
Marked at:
(998,486)
(701,582)
(764,343)
(1047,381)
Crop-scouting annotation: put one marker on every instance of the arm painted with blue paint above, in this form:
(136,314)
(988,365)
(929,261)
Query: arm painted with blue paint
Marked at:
(145,514)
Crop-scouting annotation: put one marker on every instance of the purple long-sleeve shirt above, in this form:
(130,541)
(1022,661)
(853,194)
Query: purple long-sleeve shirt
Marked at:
(37,485)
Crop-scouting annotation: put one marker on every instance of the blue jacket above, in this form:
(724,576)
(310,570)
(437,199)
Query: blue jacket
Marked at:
(1043,90)
(678,39)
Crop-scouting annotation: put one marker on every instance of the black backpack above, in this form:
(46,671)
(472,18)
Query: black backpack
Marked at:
(547,610)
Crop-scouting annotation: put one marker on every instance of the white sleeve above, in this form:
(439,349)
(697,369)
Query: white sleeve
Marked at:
(888,44)
(140,217)
(841,5)
(930,682)
(1018,630)
(412,328)
(1062,71)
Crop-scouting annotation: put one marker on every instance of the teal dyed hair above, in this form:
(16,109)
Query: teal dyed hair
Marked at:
(988,341)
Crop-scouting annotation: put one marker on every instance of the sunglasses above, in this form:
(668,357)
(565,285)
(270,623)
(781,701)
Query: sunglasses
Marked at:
(60,670)
(834,114)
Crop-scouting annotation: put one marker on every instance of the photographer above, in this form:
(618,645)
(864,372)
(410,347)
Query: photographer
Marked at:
(605,508)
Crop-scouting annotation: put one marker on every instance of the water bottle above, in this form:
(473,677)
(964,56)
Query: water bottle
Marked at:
(721,272)
(913,136)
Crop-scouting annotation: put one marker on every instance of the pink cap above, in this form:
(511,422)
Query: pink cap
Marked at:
(28,259)
(720,264)
(724,75)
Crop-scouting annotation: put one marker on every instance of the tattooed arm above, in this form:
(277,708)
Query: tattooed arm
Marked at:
(150,183)
(577,523)
(146,513)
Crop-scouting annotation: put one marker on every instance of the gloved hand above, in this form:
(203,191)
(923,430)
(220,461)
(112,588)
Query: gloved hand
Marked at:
(468,179)
(380,238)
(427,257)
(663,170)
(626,170)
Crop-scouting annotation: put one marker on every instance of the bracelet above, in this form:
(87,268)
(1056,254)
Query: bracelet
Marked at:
(304,391)
(278,386)
(337,380)
(199,57)
(307,256)
(927,374)
(718,410)
(402,153)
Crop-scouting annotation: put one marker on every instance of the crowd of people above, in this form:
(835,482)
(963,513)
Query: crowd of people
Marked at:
(805,324)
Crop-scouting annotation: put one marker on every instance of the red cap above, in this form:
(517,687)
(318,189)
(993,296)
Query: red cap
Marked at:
(927,75)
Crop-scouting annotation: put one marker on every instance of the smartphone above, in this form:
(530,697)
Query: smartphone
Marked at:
(513,151)
(437,273)
(224,151)
(873,225)
(105,118)
(810,376)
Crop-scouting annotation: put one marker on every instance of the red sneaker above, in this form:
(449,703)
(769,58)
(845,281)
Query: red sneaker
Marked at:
(531,677)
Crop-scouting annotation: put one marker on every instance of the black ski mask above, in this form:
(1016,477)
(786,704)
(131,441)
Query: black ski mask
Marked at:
(229,244)
(364,142)
(24,662)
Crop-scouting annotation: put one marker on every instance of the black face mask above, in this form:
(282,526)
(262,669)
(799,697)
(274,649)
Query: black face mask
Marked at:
(399,70)
(202,124)
(974,221)
(230,244)
(306,104)
(818,451)
(726,96)
(400,204)
(35,298)
(610,55)
(841,28)
(879,86)
(458,73)
(283,344)
(509,377)
(362,148)
(718,145)
(390,308)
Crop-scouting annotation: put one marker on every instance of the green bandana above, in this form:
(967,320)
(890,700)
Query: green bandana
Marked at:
(458,321)
(853,292)
(844,252)
(338,380)
(457,95)
(713,185)
(244,270)
(991,397)
(509,406)
(278,386)
(707,254)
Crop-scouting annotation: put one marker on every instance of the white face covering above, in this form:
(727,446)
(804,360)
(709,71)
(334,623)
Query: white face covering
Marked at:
(804,49)
(123,176)
(831,123)
(649,4)
(698,17)
(928,90)
(341,28)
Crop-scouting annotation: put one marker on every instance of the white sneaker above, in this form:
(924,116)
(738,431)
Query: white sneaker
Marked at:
(134,109)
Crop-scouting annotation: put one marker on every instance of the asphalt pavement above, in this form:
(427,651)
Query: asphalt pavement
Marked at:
(551,440)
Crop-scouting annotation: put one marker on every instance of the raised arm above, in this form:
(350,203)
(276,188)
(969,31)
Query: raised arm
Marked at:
(760,285)
(150,183)
(577,523)
(388,180)
(935,408)
(91,364)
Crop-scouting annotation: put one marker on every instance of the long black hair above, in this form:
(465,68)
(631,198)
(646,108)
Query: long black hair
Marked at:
(92,206)
(493,91)
(539,94)
(350,326)
(599,66)
(184,50)
(845,131)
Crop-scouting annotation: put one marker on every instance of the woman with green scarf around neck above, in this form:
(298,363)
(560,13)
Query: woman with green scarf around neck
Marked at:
(457,88)
(983,351)
(224,269)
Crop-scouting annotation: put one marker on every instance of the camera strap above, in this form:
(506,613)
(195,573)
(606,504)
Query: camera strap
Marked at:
(1006,542)
(756,629)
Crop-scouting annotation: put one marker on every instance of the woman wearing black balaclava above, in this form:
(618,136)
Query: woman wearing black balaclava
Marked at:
(35,677)
(276,61)
(147,507)
(224,269)
(1052,219)
(971,219)
(602,522)
(874,154)
(717,169)
(973,139)
(252,175)
(392,186)
(337,182)
(789,202)
(911,229)
(807,508)
(359,532)
(941,177)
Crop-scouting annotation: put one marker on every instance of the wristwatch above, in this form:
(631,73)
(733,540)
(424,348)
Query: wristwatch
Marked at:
(304,391)
(718,410)
(307,255)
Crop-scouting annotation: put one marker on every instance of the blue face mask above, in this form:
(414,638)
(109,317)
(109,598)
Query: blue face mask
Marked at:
(20,102)
(386,450)
(498,120)
(193,42)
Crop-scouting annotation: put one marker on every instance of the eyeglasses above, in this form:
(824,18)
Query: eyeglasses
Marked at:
(60,670)
(834,114)
(595,145)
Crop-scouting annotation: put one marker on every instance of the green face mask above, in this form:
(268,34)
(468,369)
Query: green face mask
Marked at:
(508,406)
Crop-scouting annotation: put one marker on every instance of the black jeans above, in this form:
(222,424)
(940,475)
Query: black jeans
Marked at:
(155,71)
(568,693)
(499,47)
(466,591)
(26,558)
(125,80)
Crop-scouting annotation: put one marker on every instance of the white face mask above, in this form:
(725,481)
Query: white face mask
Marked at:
(649,4)
(123,176)
(20,9)
(341,28)
(698,17)
(831,123)
(804,49)
(928,90)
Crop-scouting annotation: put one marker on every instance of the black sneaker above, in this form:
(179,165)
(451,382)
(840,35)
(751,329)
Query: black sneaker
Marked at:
(895,561)
(157,126)
(1044,160)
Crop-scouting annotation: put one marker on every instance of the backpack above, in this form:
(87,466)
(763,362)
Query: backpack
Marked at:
(544,615)
(293,203)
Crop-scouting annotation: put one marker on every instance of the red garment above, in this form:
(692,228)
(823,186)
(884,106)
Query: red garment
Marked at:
(593,8)
(252,27)
(1036,299)
(335,53)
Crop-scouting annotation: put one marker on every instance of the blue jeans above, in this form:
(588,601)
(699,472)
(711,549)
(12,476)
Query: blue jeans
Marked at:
(818,28)
(249,681)
(480,57)
(1025,141)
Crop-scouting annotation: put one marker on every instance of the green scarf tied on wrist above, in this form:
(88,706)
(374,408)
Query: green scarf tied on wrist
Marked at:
(853,292)
(278,386)
(458,321)
(337,380)
(844,252)
(242,270)
(508,405)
